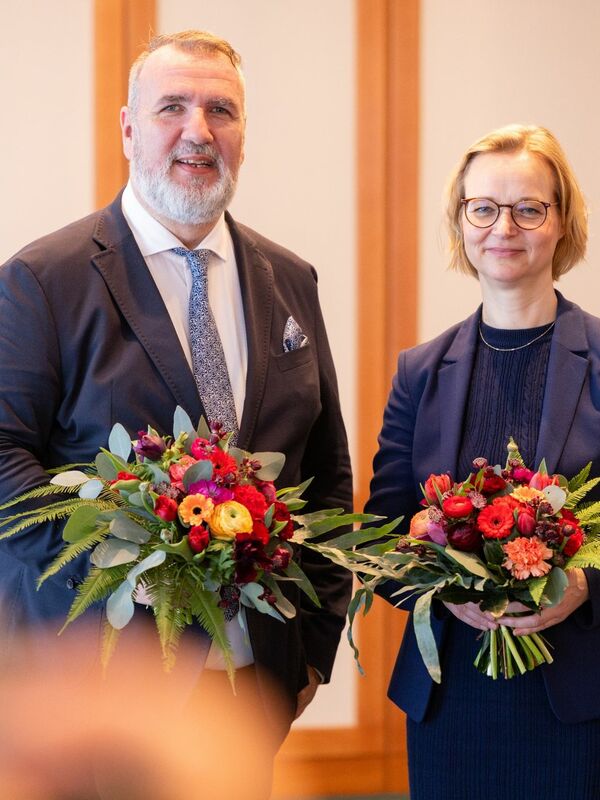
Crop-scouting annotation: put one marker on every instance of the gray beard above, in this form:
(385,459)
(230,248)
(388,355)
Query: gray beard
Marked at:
(192,204)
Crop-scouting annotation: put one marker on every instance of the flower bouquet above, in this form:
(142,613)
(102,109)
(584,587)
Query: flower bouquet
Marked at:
(193,524)
(501,535)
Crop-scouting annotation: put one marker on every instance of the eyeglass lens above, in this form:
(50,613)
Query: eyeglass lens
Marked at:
(527,214)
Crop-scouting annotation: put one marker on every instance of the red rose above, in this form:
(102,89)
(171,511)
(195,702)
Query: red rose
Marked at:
(253,500)
(443,483)
(492,483)
(526,522)
(282,514)
(198,538)
(496,520)
(457,506)
(464,537)
(573,543)
(165,508)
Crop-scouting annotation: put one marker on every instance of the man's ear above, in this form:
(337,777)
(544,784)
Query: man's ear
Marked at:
(126,132)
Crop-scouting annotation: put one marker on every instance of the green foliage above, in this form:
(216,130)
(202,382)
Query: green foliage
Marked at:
(98,584)
(72,550)
(578,495)
(588,555)
(578,481)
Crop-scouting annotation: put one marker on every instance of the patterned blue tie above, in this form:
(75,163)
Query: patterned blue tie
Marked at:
(208,359)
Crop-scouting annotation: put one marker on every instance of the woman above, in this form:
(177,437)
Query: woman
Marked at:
(526,364)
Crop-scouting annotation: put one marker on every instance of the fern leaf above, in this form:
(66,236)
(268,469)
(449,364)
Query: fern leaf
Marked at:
(588,555)
(579,479)
(69,467)
(46,490)
(98,585)
(205,608)
(170,621)
(110,637)
(71,551)
(577,496)
(51,513)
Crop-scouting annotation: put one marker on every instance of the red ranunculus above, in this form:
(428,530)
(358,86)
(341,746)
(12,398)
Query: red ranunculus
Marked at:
(443,483)
(281,514)
(492,483)
(254,501)
(165,508)
(457,506)
(496,520)
(464,537)
(573,543)
(198,538)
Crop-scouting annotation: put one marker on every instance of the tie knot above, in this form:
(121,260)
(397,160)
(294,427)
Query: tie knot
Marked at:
(197,259)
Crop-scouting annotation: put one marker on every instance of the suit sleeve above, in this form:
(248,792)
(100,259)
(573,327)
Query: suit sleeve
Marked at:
(326,457)
(31,378)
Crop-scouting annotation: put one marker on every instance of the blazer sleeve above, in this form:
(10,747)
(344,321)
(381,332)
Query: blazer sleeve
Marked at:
(30,366)
(326,457)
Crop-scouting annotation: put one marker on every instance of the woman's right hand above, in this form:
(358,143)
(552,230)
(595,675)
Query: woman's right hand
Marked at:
(473,616)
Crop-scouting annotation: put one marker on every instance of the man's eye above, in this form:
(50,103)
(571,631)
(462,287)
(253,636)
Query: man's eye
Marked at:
(173,108)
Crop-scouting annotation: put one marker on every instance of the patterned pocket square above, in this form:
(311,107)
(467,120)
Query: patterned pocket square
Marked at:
(293,338)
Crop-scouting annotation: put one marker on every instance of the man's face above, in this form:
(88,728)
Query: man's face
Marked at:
(185,139)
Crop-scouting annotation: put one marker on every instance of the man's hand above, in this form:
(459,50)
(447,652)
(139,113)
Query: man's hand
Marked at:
(307,694)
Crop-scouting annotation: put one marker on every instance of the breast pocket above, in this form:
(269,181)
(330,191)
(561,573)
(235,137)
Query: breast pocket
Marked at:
(295,358)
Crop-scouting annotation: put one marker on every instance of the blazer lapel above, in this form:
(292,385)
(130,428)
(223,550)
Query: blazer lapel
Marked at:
(567,370)
(129,281)
(454,380)
(256,283)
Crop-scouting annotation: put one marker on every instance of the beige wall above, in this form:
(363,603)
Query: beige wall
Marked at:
(46,136)
(486,65)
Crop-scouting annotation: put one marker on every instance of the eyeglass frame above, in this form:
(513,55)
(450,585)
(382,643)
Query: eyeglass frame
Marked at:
(465,200)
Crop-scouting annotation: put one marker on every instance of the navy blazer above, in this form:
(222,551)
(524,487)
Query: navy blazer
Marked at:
(421,434)
(86,341)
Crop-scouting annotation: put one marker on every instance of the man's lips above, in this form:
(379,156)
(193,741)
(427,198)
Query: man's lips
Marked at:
(195,162)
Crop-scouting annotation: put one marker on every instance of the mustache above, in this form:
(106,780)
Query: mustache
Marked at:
(190,149)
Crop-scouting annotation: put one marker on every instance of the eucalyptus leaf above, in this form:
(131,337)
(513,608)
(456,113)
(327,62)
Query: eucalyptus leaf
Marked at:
(238,455)
(112,552)
(200,471)
(119,442)
(105,467)
(155,559)
(120,607)
(181,548)
(182,423)
(91,489)
(80,524)
(71,478)
(203,430)
(271,465)
(158,476)
(123,527)
(555,587)
(250,596)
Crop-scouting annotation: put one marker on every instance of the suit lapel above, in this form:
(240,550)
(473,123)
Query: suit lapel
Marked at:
(256,284)
(129,281)
(567,370)
(454,380)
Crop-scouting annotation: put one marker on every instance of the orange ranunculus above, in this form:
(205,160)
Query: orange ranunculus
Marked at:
(525,557)
(418,524)
(229,518)
(195,508)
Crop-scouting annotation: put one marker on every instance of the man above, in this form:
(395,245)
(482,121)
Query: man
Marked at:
(94,330)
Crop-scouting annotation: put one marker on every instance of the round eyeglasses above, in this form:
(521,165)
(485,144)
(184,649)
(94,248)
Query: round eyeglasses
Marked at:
(526,214)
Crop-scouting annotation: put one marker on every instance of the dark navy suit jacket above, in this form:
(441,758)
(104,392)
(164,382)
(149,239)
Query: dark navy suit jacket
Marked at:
(421,434)
(86,341)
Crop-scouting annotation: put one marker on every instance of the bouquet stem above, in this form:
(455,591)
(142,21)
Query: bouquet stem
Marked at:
(502,652)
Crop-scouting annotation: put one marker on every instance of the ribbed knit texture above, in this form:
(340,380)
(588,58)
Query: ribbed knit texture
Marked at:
(499,740)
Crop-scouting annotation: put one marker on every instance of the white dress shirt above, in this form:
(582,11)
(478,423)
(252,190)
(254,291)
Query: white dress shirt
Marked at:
(173,279)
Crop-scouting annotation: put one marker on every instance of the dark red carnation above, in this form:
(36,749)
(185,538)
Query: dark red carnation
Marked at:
(198,538)
(282,514)
(165,508)
(280,558)
(457,506)
(249,557)
(254,501)
(260,532)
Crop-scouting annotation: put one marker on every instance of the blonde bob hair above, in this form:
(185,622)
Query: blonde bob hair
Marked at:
(571,205)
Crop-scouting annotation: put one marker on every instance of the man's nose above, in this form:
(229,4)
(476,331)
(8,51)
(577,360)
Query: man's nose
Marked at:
(196,128)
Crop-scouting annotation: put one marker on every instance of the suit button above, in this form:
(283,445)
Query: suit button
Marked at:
(72,583)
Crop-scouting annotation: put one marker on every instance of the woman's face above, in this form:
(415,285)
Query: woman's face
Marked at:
(505,254)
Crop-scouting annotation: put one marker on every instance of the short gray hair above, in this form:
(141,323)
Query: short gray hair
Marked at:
(192,41)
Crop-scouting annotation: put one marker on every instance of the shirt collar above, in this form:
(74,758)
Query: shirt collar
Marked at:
(152,237)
